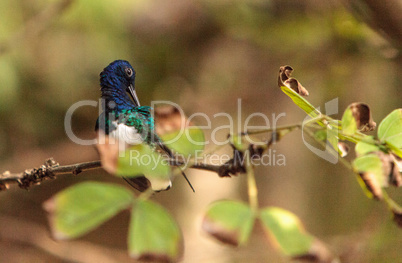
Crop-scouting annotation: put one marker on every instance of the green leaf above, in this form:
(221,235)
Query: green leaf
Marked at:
(285,230)
(372,164)
(186,142)
(390,129)
(229,221)
(301,102)
(141,159)
(363,148)
(81,208)
(349,126)
(153,233)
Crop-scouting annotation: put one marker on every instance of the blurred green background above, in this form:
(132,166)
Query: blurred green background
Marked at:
(203,55)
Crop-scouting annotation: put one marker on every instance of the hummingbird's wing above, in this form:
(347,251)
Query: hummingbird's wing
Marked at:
(141,183)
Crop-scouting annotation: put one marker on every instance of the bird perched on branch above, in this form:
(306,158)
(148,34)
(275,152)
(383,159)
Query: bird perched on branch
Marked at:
(126,122)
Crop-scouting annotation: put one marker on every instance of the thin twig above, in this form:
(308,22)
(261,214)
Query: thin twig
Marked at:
(252,185)
(275,129)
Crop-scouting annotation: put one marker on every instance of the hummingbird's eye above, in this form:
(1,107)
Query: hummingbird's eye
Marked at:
(129,72)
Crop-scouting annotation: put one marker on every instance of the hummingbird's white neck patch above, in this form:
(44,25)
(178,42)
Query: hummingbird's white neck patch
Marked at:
(127,134)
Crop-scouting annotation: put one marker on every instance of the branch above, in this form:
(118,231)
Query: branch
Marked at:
(50,169)
(47,171)
(288,128)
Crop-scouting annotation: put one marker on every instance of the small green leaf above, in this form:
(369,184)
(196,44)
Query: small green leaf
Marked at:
(363,148)
(370,170)
(81,208)
(301,102)
(142,160)
(153,235)
(390,129)
(286,231)
(229,221)
(186,142)
(370,163)
(349,126)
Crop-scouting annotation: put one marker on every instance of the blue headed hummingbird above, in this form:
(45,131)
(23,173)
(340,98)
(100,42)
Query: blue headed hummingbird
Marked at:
(124,120)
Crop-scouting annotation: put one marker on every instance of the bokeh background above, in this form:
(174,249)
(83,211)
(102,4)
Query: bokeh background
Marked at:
(203,55)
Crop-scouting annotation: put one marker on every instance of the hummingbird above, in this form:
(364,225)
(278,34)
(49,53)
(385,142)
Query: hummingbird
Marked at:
(125,120)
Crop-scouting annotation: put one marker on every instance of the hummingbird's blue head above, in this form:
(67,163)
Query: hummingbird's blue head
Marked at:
(117,81)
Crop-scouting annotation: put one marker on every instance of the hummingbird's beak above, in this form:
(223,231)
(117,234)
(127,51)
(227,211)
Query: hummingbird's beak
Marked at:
(133,94)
